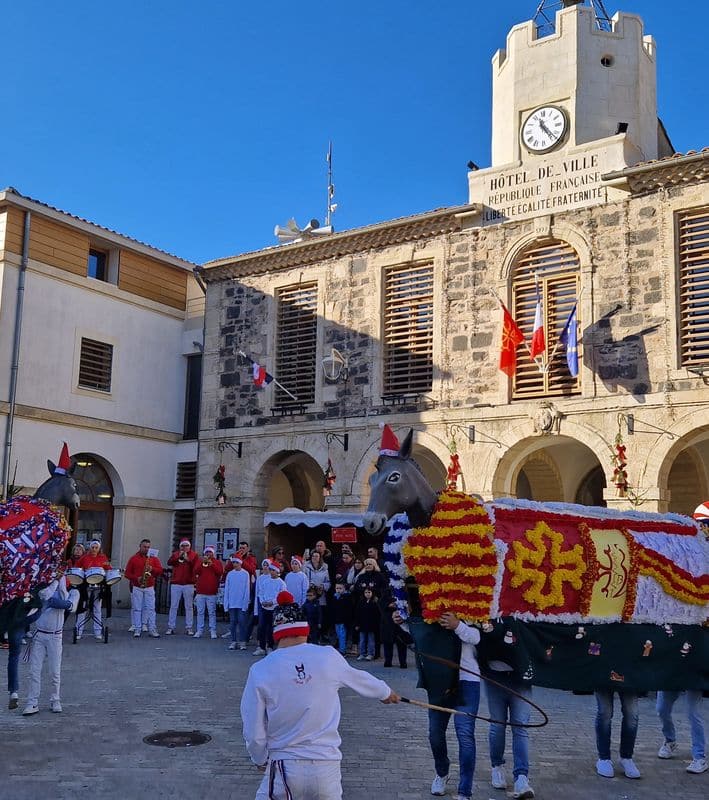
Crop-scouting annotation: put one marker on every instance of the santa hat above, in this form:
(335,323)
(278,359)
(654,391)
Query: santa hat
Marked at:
(210,549)
(272,565)
(288,618)
(390,444)
(298,559)
(64,464)
(185,541)
(266,562)
(236,558)
(701,513)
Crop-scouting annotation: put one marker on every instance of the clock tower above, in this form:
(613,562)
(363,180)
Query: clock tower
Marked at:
(567,107)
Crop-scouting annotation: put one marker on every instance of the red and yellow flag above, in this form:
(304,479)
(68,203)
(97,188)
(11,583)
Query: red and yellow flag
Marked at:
(512,337)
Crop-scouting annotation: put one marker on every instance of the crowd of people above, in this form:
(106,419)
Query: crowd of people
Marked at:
(338,600)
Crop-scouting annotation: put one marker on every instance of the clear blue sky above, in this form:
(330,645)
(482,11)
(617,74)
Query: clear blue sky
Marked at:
(196,127)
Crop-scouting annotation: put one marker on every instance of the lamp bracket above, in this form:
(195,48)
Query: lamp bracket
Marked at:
(235,447)
(472,433)
(341,438)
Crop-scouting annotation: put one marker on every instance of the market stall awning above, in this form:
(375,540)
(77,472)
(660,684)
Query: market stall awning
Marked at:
(294,516)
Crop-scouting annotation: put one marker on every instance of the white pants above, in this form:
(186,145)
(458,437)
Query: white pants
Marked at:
(143,602)
(187,594)
(94,610)
(49,645)
(208,602)
(307,780)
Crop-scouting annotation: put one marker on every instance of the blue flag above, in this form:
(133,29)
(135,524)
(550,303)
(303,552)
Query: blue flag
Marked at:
(569,338)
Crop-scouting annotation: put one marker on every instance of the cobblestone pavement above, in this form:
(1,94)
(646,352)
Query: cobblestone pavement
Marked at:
(115,694)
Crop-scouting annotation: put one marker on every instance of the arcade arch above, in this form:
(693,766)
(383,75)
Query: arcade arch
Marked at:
(95,517)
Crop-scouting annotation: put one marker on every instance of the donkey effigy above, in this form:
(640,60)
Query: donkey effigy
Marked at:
(33,537)
(579,597)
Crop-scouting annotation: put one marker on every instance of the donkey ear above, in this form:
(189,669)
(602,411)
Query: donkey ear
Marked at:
(51,466)
(71,469)
(405,449)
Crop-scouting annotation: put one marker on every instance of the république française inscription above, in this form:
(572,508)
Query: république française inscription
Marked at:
(556,185)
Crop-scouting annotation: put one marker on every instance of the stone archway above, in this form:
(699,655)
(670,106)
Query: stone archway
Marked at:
(551,469)
(291,479)
(687,479)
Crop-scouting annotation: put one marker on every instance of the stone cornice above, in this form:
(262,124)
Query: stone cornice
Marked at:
(676,170)
(383,234)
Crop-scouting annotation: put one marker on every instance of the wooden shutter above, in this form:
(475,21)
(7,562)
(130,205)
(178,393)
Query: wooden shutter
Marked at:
(296,340)
(556,265)
(693,257)
(408,329)
(183,527)
(95,365)
(186,480)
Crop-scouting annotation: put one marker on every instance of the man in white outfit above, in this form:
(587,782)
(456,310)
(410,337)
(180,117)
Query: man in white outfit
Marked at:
(46,642)
(290,710)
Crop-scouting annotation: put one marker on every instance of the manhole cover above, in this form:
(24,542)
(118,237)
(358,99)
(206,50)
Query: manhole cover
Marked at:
(177,738)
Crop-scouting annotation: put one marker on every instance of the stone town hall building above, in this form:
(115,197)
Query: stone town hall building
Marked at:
(584,197)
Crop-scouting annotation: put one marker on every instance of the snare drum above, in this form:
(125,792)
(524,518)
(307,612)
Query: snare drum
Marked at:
(112,576)
(75,576)
(95,575)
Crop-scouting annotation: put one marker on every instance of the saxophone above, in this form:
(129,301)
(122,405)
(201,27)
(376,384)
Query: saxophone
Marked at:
(143,582)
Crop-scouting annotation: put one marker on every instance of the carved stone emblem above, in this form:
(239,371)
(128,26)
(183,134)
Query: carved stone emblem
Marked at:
(546,419)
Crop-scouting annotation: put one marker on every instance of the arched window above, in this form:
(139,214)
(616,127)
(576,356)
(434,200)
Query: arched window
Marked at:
(553,267)
(95,516)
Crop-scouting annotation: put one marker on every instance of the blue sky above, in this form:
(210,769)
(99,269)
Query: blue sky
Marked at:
(196,127)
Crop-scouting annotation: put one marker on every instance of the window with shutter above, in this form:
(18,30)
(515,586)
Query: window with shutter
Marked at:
(183,526)
(555,265)
(408,329)
(95,365)
(296,340)
(693,259)
(186,481)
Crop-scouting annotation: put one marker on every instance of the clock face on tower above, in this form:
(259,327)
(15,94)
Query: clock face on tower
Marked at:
(544,129)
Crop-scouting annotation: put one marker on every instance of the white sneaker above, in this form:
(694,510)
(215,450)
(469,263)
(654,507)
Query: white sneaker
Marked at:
(522,789)
(499,781)
(145,628)
(232,646)
(631,771)
(98,637)
(154,634)
(697,766)
(12,703)
(169,632)
(29,710)
(213,635)
(189,632)
(259,651)
(131,629)
(136,634)
(242,645)
(604,767)
(226,635)
(56,707)
(667,750)
(438,787)
(361,658)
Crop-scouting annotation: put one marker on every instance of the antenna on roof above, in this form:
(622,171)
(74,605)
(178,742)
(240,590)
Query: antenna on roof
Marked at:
(331,207)
(545,15)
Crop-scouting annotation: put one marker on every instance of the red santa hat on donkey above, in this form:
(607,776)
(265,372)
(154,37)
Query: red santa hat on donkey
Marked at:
(390,444)
(64,464)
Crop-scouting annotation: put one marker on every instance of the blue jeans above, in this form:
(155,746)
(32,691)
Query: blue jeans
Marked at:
(366,644)
(506,707)
(238,622)
(469,700)
(437,726)
(665,702)
(265,628)
(629,723)
(14,639)
(341,632)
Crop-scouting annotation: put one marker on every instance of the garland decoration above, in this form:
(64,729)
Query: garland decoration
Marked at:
(219,479)
(454,560)
(454,469)
(619,462)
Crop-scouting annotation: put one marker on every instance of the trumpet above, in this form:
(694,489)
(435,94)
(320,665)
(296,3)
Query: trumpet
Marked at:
(207,561)
(182,558)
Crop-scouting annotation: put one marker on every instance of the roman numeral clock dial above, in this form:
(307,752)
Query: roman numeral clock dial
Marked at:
(544,129)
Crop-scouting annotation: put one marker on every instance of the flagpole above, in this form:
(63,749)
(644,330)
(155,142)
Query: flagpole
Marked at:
(558,339)
(280,385)
(499,300)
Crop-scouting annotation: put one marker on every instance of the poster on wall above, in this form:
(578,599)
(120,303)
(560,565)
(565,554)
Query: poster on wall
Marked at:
(212,537)
(231,540)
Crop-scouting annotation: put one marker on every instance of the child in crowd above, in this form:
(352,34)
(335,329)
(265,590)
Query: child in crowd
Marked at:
(391,633)
(46,642)
(368,619)
(297,580)
(342,615)
(313,614)
(267,588)
(237,593)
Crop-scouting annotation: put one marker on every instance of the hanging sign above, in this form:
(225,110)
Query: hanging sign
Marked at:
(348,534)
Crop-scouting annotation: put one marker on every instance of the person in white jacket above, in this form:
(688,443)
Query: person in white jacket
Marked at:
(237,593)
(297,581)
(46,642)
(290,710)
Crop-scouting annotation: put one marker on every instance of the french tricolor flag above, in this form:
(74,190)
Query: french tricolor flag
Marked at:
(538,340)
(260,375)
